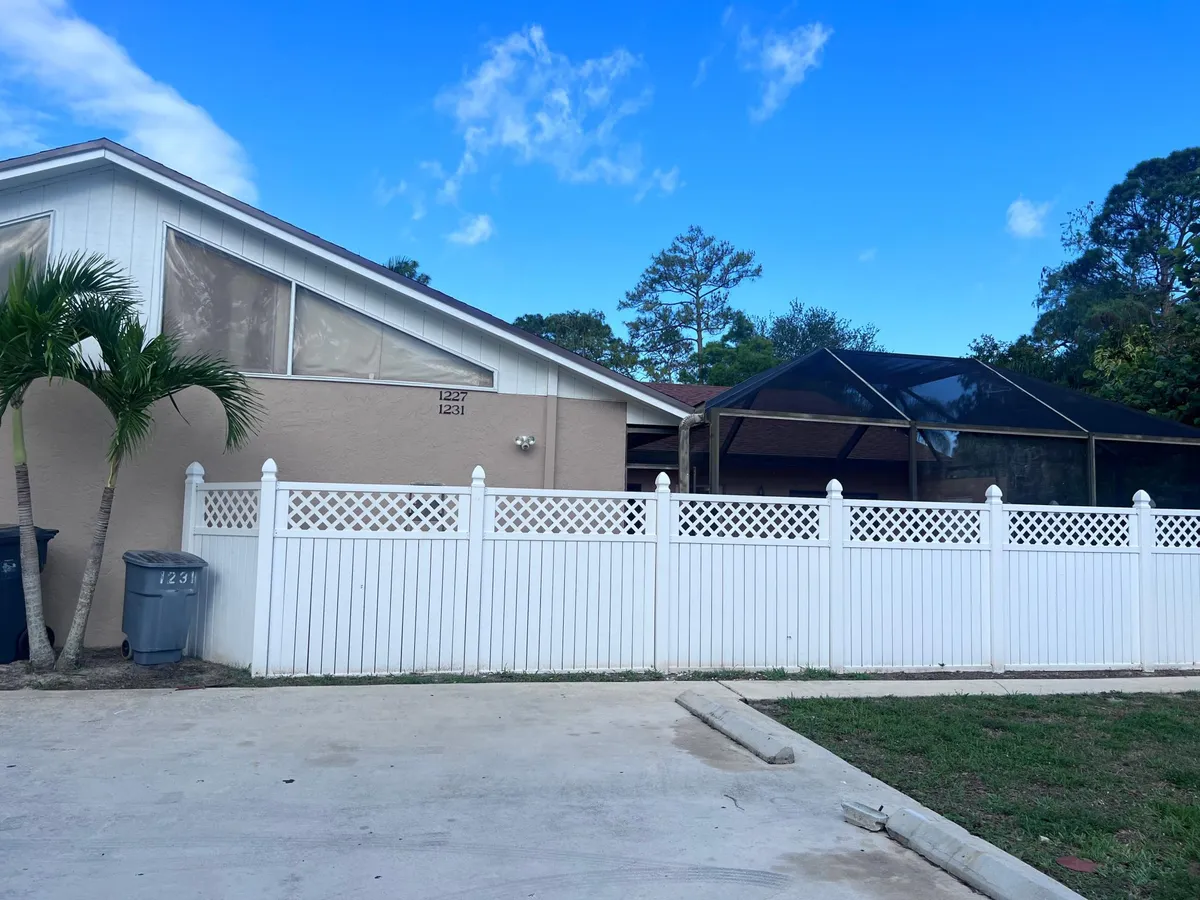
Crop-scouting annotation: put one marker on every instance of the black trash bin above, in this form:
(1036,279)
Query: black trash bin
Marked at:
(161,587)
(14,641)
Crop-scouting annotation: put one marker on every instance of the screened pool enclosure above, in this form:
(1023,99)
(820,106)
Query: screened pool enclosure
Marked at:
(893,426)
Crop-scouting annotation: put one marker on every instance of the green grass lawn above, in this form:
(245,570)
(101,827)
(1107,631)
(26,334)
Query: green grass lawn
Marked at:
(1111,778)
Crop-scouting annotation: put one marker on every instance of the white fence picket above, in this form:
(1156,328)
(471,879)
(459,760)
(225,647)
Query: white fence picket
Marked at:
(373,579)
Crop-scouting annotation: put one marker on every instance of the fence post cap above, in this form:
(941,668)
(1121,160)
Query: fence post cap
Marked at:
(1141,498)
(662,482)
(195,472)
(269,469)
(477,476)
(834,488)
(994,494)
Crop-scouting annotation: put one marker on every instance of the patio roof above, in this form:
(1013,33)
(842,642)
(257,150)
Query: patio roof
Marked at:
(935,392)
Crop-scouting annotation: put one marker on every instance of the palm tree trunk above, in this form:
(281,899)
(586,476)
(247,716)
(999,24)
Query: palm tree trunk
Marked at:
(69,658)
(41,654)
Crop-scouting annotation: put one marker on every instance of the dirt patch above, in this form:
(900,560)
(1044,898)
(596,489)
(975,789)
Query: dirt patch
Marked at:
(106,670)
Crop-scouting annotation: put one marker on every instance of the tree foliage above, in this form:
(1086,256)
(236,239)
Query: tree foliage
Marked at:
(1116,318)
(741,353)
(585,333)
(751,347)
(803,329)
(685,329)
(408,267)
(682,300)
(1155,368)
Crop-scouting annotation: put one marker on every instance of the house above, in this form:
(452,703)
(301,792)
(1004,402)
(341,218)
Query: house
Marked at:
(367,376)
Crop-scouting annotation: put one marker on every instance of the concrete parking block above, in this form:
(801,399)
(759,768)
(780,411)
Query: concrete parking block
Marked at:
(983,866)
(759,734)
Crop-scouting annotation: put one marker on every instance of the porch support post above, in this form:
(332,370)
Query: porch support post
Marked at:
(912,462)
(714,451)
(1091,469)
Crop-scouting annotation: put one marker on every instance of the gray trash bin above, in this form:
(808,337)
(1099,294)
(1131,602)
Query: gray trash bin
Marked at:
(161,588)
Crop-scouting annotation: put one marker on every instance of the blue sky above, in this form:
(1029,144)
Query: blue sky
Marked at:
(906,164)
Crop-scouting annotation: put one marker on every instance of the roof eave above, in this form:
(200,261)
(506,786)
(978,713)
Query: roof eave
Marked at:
(90,153)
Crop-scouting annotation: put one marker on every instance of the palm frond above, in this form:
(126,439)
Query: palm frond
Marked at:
(46,312)
(134,374)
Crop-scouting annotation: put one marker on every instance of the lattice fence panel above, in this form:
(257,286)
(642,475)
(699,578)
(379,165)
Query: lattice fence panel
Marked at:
(232,509)
(749,520)
(1173,530)
(1068,529)
(516,514)
(371,511)
(914,525)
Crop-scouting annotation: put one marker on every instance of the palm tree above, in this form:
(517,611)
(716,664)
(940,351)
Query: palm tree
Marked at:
(40,334)
(408,267)
(130,378)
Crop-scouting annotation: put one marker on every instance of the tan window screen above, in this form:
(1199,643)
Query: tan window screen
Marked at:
(334,341)
(31,238)
(218,304)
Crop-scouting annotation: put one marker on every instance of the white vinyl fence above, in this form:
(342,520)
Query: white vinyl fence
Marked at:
(354,579)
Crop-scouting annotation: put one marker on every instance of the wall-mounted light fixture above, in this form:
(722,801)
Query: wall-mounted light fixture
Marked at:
(525,441)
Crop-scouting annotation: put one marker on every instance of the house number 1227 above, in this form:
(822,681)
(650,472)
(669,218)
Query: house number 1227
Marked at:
(453,403)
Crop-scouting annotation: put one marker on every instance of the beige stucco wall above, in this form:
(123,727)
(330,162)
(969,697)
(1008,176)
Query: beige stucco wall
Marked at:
(315,431)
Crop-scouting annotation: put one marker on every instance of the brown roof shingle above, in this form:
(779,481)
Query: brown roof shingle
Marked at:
(694,394)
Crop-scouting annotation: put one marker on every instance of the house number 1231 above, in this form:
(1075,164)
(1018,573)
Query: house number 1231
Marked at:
(452,403)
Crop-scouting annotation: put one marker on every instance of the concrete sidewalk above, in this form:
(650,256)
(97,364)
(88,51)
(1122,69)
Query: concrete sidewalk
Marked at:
(774,690)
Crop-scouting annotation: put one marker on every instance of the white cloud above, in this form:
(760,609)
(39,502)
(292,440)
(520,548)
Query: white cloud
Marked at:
(71,62)
(19,127)
(702,67)
(867,255)
(418,208)
(667,182)
(385,193)
(1027,219)
(534,105)
(448,192)
(783,60)
(473,230)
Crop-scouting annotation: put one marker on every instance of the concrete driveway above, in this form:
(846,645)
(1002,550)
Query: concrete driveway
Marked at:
(471,791)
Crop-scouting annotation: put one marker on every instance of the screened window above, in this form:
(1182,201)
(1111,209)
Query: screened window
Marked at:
(961,465)
(1167,472)
(334,341)
(31,238)
(219,304)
